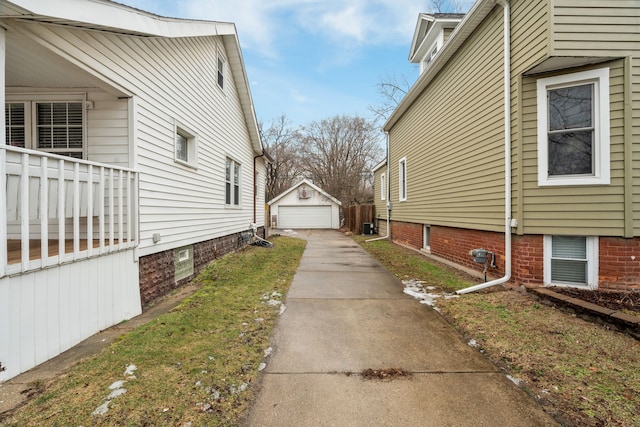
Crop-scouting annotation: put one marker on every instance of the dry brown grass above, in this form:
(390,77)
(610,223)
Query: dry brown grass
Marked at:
(581,373)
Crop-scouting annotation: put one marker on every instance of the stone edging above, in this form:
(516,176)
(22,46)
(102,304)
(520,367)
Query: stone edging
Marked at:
(594,313)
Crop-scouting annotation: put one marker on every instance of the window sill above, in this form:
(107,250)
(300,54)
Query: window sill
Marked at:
(186,164)
(557,182)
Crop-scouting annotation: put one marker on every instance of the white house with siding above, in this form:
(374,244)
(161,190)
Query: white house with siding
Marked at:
(132,158)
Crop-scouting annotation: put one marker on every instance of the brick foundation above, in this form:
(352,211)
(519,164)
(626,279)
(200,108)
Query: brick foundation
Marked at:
(619,258)
(619,267)
(157,271)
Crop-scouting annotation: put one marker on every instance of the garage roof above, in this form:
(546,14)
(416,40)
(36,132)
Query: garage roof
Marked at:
(310,184)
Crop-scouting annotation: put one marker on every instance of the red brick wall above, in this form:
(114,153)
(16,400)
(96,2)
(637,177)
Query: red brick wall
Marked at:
(157,271)
(527,264)
(455,244)
(619,258)
(407,233)
(619,267)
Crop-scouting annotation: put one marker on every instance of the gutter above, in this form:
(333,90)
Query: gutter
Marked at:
(507,156)
(388,236)
(255,183)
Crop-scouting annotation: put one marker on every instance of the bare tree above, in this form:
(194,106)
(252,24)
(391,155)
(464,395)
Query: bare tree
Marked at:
(281,143)
(338,153)
(391,89)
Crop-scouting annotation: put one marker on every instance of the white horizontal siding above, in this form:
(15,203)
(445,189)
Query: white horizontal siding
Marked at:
(46,312)
(173,79)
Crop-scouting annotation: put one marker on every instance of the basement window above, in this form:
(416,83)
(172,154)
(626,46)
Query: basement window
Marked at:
(183,260)
(571,261)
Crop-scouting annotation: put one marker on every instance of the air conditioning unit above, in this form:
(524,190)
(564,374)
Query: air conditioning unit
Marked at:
(367,228)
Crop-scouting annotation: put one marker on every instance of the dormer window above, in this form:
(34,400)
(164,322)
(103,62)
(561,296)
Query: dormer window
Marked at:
(430,56)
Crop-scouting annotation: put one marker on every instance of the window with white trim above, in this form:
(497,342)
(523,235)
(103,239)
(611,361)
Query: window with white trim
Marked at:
(573,129)
(571,261)
(402,179)
(383,187)
(186,146)
(53,126)
(232,183)
(220,71)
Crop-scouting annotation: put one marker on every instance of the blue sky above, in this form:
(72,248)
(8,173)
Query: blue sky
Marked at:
(312,59)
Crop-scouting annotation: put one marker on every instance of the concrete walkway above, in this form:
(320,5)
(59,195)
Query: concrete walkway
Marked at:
(345,313)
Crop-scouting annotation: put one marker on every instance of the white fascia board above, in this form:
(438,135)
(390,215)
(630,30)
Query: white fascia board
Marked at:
(310,184)
(469,23)
(379,165)
(107,15)
(239,72)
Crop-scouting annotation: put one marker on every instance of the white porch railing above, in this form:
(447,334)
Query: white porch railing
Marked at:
(59,209)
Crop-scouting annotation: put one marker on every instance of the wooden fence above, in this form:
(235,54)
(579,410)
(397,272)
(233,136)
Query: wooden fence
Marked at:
(355,216)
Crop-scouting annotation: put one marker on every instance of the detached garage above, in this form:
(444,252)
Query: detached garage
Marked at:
(305,205)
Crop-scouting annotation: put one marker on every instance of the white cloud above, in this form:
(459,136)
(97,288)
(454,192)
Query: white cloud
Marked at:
(261,23)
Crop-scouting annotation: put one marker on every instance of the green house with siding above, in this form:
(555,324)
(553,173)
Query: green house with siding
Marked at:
(521,136)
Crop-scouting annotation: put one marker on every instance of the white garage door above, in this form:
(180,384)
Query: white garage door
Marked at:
(304,217)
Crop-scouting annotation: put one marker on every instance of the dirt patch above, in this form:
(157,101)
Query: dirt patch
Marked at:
(386,374)
(619,301)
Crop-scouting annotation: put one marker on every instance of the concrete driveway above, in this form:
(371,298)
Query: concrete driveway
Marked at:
(344,314)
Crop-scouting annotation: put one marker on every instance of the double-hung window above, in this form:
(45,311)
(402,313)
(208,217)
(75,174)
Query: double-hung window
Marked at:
(220,72)
(186,146)
(54,126)
(573,129)
(232,183)
(402,179)
(571,261)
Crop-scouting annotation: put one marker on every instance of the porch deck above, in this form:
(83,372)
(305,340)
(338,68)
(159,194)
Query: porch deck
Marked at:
(14,248)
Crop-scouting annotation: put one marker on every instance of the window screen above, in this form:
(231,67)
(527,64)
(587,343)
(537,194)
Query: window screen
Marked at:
(59,127)
(571,130)
(569,259)
(14,120)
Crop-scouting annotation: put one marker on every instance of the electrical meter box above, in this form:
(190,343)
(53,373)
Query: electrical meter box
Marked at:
(479,255)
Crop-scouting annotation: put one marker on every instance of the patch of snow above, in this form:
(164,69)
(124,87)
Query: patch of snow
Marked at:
(259,319)
(130,370)
(102,409)
(416,289)
(198,384)
(276,294)
(262,366)
(215,393)
(268,352)
(212,358)
(117,392)
(473,343)
(116,385)
(274,302)
(237,390)
(516,381)
(282,309)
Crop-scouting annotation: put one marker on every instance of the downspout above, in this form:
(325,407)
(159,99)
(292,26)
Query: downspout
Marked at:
(255,187)
(507,156)
(388,236)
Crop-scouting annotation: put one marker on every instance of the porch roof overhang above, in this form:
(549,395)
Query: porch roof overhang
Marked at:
(112,17)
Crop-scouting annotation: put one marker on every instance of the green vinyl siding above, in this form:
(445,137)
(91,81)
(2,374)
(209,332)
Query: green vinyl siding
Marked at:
(633,141)
(574,210)
(453,139)
(607,28)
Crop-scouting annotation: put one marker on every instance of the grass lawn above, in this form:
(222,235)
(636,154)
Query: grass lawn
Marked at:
(582,373)
(196,364)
